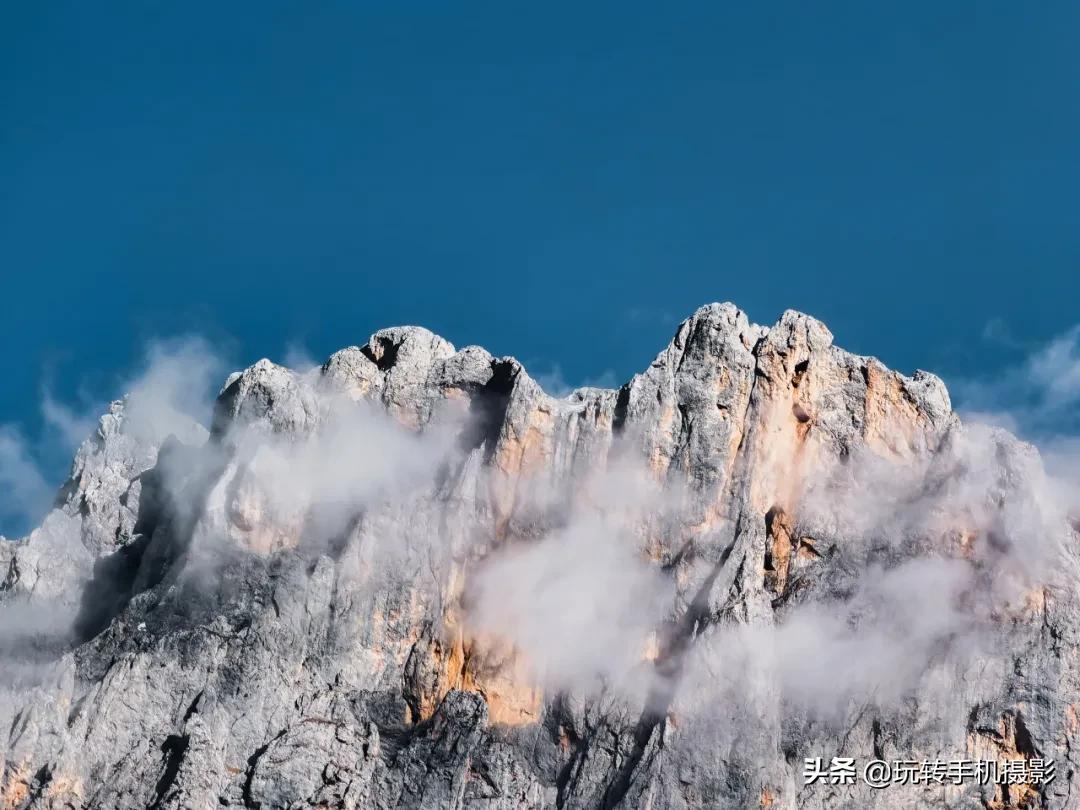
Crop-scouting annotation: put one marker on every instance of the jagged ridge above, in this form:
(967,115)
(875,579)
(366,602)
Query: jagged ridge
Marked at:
(247,631)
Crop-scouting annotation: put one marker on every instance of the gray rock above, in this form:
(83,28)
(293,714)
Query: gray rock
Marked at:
(845,570)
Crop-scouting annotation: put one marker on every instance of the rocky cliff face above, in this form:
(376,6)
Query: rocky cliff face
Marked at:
(411,578)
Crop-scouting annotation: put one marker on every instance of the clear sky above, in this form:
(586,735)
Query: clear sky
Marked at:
(559,181)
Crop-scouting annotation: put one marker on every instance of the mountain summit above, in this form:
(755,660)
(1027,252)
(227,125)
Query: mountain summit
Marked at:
(410,578)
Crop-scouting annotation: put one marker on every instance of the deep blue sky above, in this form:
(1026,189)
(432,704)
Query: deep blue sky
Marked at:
(561,182)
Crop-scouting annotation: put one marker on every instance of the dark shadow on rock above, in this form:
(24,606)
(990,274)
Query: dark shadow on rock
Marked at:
(487,408)
(173,494)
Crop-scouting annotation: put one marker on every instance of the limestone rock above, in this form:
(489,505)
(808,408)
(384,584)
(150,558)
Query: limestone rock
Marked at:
(809,554)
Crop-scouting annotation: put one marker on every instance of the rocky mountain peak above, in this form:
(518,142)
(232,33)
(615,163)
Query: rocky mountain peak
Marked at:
(412,578)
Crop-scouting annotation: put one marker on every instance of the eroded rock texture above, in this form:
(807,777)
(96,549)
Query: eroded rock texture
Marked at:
(342,598)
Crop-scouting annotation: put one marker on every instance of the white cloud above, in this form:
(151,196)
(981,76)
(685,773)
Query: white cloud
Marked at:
(24,493)
(1038,397)
(299,358)
(554,382)
(170,393)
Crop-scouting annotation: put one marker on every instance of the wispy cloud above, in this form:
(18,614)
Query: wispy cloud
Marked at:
(1038,398)
(24,493)
(171,390)
(554,381)
(577,596)
(71,427)
(298,357)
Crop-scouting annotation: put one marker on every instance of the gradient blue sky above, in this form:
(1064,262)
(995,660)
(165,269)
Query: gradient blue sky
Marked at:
(561,182)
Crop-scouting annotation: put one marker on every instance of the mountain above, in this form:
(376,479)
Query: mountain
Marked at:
(411,578)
